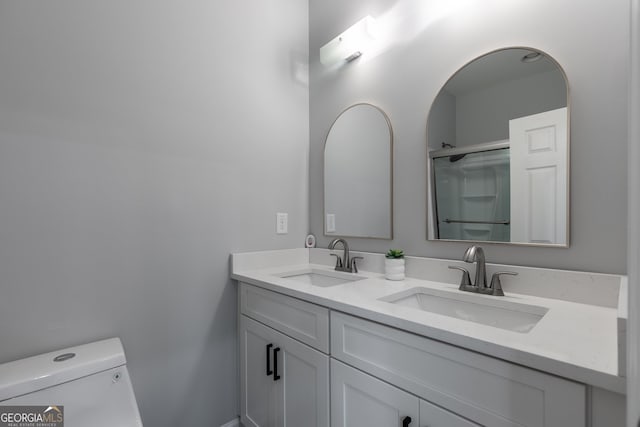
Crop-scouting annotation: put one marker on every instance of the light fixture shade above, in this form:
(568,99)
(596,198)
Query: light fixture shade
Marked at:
(350,44)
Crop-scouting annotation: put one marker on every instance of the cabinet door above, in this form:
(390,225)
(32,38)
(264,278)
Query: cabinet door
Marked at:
(258,390)
(359,400)
(304,385)
(284,383)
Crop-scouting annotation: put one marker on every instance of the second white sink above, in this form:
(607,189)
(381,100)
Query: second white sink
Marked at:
(320,278)
(496,312)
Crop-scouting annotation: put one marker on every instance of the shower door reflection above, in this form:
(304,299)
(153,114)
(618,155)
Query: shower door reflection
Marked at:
(472,196)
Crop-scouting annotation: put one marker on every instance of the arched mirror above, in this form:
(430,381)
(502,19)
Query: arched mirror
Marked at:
(498,143)
(358,170)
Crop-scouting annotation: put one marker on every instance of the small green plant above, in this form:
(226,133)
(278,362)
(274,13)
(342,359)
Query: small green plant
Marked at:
(395,254)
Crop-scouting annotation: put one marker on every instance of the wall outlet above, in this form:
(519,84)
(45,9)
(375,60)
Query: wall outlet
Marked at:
(331,223)
(282,223)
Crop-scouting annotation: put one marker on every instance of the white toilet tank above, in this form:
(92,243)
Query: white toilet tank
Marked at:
(90,382)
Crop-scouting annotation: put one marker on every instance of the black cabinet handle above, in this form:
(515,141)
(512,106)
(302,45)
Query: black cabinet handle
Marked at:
(269,371)
(406,421)
(276,377)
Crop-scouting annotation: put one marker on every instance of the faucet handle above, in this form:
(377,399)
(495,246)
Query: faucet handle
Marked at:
(354,267)
(496,285)
(338,260)
(465,282)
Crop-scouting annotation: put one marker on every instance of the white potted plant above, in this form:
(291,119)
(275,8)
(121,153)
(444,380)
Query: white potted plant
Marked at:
(394,264)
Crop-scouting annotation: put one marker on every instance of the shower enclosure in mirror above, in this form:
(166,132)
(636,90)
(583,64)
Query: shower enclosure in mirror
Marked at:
(358,170)
(498,141)
(475,182)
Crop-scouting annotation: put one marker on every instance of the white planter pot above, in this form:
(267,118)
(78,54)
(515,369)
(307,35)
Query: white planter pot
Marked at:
(394,268)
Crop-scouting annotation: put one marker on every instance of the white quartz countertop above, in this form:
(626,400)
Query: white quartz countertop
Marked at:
(574,340)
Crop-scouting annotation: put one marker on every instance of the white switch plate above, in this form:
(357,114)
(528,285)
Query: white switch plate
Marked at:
(331,223)
(282,223)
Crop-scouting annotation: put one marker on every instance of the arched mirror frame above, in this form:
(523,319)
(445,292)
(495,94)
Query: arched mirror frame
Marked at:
(431,217)
(324,189)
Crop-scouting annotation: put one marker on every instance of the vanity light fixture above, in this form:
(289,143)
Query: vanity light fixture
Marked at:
(349,45)
(531,57)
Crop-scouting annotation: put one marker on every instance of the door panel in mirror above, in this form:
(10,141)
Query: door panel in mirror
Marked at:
(358,174)
(539,177)
(498,142)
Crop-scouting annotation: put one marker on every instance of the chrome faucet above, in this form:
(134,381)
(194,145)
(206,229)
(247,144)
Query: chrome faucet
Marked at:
(476,254)
(346,263)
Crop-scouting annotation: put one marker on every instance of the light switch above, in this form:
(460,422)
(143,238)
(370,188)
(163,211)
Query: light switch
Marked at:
(331,223)
(282,223)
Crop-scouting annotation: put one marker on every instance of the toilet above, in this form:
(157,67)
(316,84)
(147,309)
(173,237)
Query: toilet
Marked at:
(88,384)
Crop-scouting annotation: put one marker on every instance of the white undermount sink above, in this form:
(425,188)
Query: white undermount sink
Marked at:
(490,310)
(322,278)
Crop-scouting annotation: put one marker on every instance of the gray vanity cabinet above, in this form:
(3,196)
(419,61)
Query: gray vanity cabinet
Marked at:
(381,376)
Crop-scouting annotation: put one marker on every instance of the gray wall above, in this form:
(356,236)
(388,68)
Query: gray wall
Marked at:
(483,115)
(442,121)
(426,41)
(141,143)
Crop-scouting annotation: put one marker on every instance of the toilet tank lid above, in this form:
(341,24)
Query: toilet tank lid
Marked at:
(35,373)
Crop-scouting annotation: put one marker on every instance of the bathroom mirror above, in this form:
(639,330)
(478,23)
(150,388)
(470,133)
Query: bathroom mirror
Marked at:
(358,171)
(498,143)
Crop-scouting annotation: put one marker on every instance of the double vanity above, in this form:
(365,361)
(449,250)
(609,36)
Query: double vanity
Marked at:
(322,347)
(325,340)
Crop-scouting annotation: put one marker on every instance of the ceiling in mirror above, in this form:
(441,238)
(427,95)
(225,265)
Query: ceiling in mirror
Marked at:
(498,142)
(358,170)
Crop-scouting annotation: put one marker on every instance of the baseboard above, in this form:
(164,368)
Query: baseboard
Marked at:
(233,423)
